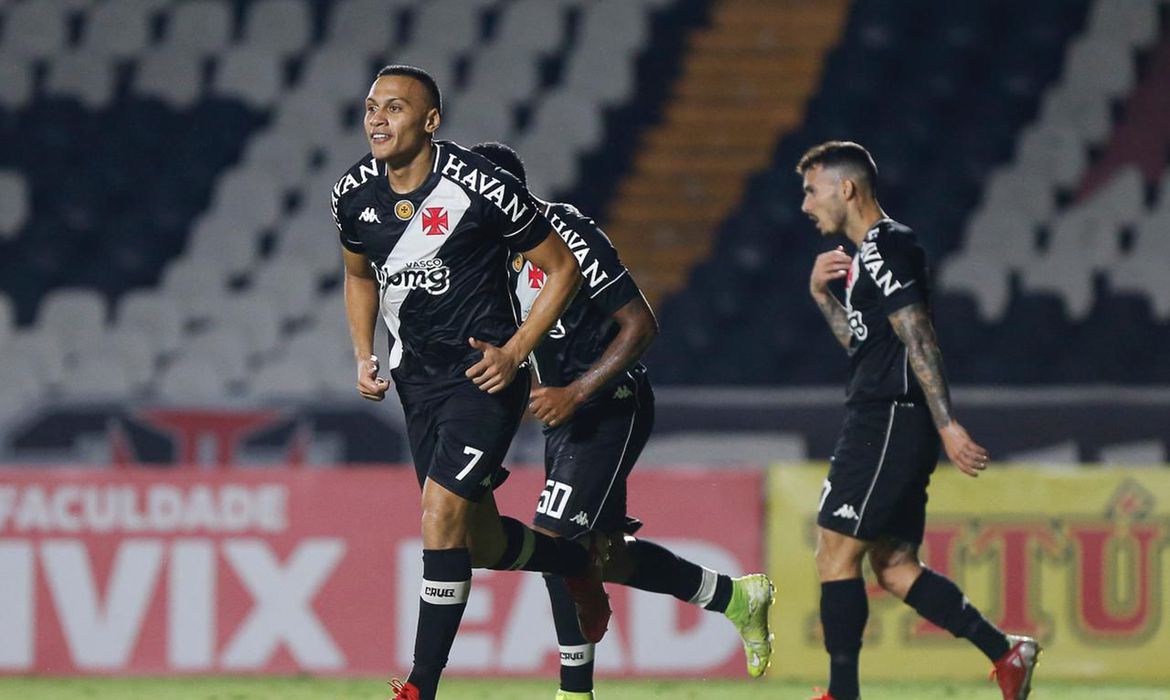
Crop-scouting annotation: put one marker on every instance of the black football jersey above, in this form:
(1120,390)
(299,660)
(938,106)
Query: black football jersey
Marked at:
(440,254)
(888,273)
(587,326)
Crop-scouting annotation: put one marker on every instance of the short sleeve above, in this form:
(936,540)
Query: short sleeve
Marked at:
(515,213)
(607,282)
(349,239)
(897,265)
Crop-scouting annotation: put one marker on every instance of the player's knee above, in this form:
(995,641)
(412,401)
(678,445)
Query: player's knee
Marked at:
(898,577)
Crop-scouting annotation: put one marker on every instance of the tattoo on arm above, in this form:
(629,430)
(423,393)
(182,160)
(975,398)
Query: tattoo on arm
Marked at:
(834,313)
(913,326)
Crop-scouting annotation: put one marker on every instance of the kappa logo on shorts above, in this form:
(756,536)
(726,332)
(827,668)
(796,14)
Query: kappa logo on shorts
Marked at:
(846,511)
(581,519)
(623,392)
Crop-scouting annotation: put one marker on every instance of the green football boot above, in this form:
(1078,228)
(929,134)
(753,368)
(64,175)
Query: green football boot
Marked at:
(751,598)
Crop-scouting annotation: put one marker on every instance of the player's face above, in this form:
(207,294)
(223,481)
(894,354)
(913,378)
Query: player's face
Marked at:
(399,118)
(823,201)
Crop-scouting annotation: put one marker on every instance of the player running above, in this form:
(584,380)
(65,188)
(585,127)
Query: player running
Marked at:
(596,402)
(898,408)
(427,228)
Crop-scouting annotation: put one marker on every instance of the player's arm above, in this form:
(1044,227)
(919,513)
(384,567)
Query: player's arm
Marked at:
(913,326)
(562,279)
(361,309)
(829,266)
(637,328)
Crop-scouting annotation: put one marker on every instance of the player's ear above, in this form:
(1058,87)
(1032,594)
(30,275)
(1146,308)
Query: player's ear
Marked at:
(432,122)
(848,189)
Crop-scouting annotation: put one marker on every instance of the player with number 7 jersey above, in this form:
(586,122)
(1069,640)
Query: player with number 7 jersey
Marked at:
(426,227)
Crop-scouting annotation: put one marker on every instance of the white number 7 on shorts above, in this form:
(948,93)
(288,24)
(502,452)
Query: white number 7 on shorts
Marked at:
(475,455)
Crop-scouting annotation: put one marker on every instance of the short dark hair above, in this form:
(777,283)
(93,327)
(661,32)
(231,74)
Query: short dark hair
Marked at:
(503,156)
(420,75)
(831,154)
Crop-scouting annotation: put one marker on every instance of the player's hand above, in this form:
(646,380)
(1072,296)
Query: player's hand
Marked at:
(495,371)
(369,384)
(966,454)
(554,405)
(830,265)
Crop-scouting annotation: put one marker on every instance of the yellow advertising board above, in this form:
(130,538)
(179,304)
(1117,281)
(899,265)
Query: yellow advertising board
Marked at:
(1077,557)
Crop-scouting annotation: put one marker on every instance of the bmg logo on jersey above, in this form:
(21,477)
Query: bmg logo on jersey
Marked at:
(431,276)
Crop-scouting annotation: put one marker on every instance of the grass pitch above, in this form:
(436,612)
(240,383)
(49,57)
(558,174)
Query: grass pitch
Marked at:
(500,689)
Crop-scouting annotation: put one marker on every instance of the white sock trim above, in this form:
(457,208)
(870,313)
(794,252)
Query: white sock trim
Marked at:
(577,655)
(445,592)
(706,591)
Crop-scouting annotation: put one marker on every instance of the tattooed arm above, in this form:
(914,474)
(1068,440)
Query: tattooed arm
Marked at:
(829,266)
(913,326)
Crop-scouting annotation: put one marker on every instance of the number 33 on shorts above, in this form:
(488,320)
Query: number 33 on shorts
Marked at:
(554,498)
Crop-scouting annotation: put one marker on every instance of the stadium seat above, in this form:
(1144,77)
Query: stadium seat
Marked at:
(1030,199)
(1134,22)
(282,27)
(285,379)
(1100,65)
(223,348)
(252,318)
(199,27)
(478,116)
(37,354)
(97,379)
(364,28)
(501,59)
(1053,154)
(289,285)
(87,77)
(253,75)
(1085,113)
(35,30)
(531,26)
(192,380)
(120,28)
(16,83)
(337,75)
(447,26)
(71,314)
(310,237)
(150,313)
(174,77)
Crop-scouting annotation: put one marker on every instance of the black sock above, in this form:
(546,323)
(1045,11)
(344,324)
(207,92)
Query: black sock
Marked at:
(576,653)
(939,600)
(844,612)
(658,570)
(529,550)
(446,583)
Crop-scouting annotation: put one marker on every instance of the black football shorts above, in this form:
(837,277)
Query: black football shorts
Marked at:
(879,472)
(587,461)
(460,435)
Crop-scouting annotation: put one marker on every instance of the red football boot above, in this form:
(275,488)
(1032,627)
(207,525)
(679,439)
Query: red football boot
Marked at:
(588,593)
(403,691)
(1013,672)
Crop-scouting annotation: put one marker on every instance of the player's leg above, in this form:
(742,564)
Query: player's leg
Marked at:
(844,608)
(504,543)
(934,596)
(470,433)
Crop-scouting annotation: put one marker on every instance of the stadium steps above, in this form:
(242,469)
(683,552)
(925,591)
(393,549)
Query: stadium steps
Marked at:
(743,85)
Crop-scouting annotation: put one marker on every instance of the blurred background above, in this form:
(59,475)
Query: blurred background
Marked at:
(165,168)
(170,276)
